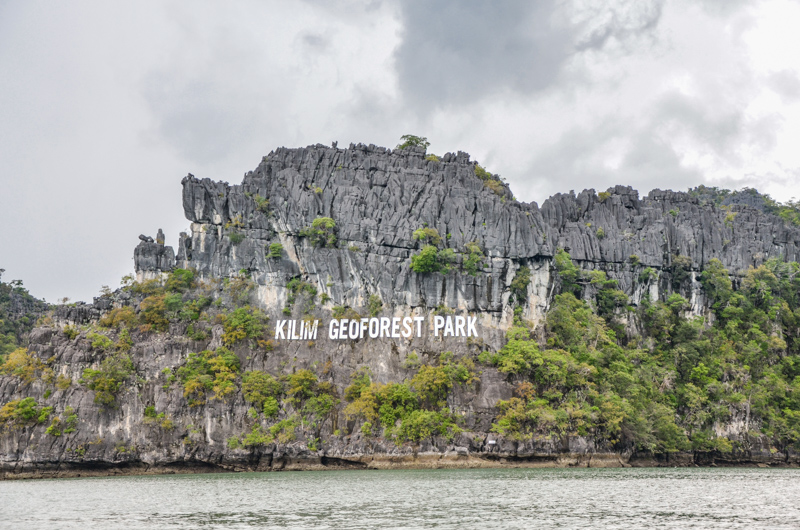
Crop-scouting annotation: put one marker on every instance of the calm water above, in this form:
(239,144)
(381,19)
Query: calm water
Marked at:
(508,498)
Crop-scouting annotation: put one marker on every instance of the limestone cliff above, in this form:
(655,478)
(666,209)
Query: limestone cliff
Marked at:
(252,245)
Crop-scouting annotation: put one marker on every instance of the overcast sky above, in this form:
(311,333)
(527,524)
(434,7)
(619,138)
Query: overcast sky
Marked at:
(105,106)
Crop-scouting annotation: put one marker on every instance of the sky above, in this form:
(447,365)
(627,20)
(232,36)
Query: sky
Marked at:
(105,106)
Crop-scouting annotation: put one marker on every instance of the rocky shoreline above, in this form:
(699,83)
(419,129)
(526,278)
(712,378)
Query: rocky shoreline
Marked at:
(457,458)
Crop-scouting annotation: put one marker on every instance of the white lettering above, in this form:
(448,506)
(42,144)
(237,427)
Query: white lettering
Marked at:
(374,332)
(303,330)
(419,321)
(385,323)
(407,327)
(354,329)
(343,328)
(438,323)
(279,330)
(448,327)
(333,329)
(295,336)
(471,330)
(364,323)
(396,328)
(460,321)
(312,335)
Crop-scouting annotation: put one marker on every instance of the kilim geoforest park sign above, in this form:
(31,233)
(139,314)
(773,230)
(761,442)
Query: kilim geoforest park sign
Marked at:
(376,328)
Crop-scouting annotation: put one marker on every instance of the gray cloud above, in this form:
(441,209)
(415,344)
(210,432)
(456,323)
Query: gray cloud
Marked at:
(458,51)
(786,84)
(619,21)
(106,105)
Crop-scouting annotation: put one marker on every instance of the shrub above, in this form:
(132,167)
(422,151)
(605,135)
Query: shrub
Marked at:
(600,233)
(71,332)
(474,259)
(430,259)
(236,237)
(67,425)
(275,250)
(107,380)
(603,196)
(243,323)
(321,232)
(63,382)
(421,424)
(433,158)
(23,411)
(117,317)
(100,342)
(20,363)
(206,371)
(410,140)
(297,287)
(496,187)
(481,173)
(375,305)
(519,285)
(180,280)
(262,204)
(262,390)
(153,311)
(427,235)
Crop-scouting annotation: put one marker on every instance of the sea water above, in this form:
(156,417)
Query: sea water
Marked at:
(480,498)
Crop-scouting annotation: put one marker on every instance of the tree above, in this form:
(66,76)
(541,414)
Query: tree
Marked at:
(409,140)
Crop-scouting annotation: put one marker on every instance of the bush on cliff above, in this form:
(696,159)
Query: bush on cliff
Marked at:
(321,233)
(21,412)
(263,391)
(209,371)
(107,380)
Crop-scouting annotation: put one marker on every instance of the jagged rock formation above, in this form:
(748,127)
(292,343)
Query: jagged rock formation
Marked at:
(377,198)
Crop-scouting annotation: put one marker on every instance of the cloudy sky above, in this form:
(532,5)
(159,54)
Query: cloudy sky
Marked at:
(104,106)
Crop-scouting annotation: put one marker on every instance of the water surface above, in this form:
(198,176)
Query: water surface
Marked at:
(481,498)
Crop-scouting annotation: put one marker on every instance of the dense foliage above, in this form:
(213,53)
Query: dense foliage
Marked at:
(672,387)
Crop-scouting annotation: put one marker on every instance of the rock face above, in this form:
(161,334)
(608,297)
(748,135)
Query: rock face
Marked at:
(377,198)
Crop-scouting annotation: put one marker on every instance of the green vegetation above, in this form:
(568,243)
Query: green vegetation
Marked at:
(209,371)
(21,412)
(321,233)
(160,419)
(409,140)
(14,325)
(474,259)
(663,391)
(263,391)
(431,259)
(275,251)
(303,289)
(427,236)
(490,181)
(262,204)
(243,323)
(603,196)
(519,285)
(66,425)
(20,363)
(375,305)
(413,410)
(108,379)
